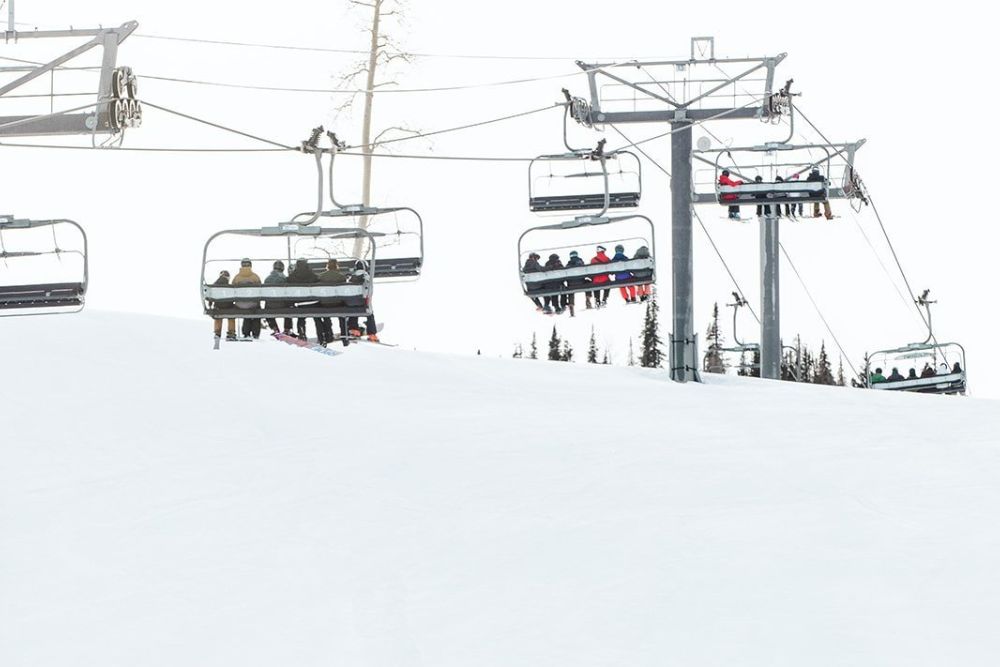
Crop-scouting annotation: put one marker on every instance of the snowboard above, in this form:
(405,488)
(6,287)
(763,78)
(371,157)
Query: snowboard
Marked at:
(305,344)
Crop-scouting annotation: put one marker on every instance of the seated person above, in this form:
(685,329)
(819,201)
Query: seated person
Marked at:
(726,179)
(912,374)
(877,376)
(957,368)
(927,372)
(895,376)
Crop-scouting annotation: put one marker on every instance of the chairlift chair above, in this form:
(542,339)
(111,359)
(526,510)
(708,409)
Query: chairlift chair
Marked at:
(263,247)
(774,160)
(940,357)
(577,279)
(41,272)
(582,181)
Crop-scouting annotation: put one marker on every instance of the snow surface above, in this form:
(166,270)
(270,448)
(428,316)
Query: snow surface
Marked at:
(164,504)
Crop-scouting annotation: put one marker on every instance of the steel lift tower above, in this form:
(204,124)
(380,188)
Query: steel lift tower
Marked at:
(682,93)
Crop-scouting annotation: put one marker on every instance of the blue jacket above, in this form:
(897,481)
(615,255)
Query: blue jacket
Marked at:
(620,257)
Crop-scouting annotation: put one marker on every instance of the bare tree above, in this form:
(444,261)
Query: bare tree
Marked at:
(383,51)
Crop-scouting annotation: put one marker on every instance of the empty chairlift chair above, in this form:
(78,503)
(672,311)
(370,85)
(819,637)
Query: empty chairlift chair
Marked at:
(43,266)
(584,181)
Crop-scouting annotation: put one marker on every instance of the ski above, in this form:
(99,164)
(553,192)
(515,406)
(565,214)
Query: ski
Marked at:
(218,339)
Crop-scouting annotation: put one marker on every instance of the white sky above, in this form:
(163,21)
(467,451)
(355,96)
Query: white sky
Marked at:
(901,81)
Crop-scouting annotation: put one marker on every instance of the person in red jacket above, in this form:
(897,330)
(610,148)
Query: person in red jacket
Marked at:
(726,179)
(600,296)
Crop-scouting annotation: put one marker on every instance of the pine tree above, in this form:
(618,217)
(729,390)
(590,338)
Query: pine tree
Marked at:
(743,371)
(555,354)
(631,354)
(754,370)
(651,354)
(715,360)
(841,380)
(534,346)
(567,352)
(824,371)
(518,352)
(592,348)
(606,361)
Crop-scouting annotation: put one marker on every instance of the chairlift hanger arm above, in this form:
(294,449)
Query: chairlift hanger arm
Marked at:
(123,31)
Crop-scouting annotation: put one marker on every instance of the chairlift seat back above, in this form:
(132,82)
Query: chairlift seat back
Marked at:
(767,193)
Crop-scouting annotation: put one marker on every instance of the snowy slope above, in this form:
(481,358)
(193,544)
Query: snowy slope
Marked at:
(164,504)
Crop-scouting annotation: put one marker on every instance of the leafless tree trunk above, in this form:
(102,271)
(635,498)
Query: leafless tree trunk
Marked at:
(382,51)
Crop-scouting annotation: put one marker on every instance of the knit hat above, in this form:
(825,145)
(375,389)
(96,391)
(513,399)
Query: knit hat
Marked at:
(601,248)
(246,262)
(619,248)
(279,265)
(574,253)
(223,272)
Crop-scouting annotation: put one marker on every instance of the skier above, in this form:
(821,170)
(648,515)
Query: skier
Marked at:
(350,326)
(531,265)
(600,296)
(301,274)
(332,276)
(246,276)
(643,291)
(628,291)
(927,371)
(575,261)
(877,376)
(277,277)
(895,376)
(555,302)
(912,375)
(726,179)
(222,280)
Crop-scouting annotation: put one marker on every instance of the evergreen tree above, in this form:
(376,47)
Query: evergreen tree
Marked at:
(715,359)
(555,354)
(518,351)
(824,371)
(841,380)
(534,346)
(631,354)
(651,354)
(567,352)
(592,348)
(744,371)
(754,370)
(605,361)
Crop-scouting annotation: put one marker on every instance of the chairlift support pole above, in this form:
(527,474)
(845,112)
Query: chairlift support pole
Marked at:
(684,360)
(770,298)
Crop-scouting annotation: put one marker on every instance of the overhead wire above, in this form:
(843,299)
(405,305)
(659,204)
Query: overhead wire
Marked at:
(819,312)
(704,228)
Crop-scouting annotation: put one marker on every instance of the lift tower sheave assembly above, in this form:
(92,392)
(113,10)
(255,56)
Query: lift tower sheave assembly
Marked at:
(116,107)
(682,93)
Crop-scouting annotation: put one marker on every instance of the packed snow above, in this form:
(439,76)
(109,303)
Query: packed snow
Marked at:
(162,503)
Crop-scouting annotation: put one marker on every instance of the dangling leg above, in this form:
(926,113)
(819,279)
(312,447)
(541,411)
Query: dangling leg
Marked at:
(217,328)
(231,329)
(827,210)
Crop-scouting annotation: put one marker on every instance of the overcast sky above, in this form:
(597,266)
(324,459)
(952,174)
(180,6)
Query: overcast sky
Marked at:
(904,82)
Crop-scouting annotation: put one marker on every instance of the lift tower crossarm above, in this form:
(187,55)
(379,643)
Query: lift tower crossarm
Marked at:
(682,116)
(123,31)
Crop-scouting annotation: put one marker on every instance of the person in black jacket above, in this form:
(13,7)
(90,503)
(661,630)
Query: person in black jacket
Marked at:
(350,326)
(555,302)
(532,265)
(221,281)
(816,177)
(895,376)
(575,261)
(301,274)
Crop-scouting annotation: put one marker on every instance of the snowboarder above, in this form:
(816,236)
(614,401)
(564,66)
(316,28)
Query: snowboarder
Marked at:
(359,276)
(600,296)
(246,276)
(222,280)
(628,291)
(301,274)
(277,277)
(816,177)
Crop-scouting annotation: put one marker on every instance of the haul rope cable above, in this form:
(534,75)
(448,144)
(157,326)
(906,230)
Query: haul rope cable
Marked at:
(700,222)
